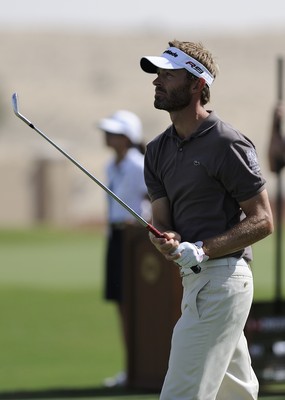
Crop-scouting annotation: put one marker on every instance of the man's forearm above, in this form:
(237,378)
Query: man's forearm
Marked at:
(249,231)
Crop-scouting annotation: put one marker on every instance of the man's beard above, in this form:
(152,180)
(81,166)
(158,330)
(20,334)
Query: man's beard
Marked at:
(176,100)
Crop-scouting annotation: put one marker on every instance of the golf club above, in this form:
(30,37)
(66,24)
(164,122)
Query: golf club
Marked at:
(141,220)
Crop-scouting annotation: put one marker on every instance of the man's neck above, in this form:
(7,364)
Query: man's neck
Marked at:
(187,121)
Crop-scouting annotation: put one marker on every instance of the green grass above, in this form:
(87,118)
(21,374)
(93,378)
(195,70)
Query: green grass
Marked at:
(264,269)
(57,331)
(56,338)
(44,258)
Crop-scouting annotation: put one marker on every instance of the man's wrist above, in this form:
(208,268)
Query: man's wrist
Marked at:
(201,251)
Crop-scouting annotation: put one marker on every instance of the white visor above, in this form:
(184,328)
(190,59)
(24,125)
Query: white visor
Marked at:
(173,58)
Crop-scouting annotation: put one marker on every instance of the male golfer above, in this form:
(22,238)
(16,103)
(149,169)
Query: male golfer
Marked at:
(206,189)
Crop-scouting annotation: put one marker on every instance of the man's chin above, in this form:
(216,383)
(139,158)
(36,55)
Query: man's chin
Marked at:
(160,106)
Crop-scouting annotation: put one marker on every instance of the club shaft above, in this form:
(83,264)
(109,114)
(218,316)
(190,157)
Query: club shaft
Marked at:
(112,194)
(140,219)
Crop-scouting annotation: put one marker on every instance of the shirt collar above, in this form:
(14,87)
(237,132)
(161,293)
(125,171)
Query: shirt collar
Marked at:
(203,129)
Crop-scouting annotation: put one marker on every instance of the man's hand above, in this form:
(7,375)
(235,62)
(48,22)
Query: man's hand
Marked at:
(186,255)
(192,254)
(167,245)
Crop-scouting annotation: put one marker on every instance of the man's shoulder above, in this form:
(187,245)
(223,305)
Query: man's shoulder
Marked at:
(157,140)
(228,133)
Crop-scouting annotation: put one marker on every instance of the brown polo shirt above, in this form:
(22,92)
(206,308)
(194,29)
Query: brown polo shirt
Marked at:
(204,177)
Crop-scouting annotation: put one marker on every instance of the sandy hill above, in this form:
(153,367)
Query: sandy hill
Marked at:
(67,81)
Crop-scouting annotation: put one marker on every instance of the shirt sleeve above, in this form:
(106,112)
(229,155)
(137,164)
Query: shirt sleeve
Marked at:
(240,172)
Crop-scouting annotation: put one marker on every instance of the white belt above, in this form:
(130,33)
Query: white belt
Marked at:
(219,262)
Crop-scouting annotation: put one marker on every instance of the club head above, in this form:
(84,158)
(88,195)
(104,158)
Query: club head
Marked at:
(15,104)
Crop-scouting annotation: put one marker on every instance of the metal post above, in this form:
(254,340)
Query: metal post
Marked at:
(279,197)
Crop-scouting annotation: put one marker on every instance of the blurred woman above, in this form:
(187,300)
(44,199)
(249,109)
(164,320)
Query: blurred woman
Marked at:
(123,133)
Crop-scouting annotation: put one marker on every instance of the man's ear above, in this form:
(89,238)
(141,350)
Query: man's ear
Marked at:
(199,84)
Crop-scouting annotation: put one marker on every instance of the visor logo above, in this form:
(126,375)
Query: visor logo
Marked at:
(194,66)
(171,53)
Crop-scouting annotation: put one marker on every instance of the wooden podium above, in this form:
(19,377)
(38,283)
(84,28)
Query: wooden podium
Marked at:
(152,294)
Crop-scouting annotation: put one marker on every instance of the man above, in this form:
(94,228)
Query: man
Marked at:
(207,191)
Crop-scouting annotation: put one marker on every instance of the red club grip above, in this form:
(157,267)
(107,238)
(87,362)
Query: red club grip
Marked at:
(153,230)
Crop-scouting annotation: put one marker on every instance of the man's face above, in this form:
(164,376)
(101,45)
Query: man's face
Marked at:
(172,90)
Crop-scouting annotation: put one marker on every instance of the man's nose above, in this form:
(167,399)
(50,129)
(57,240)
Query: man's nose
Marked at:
(156,81)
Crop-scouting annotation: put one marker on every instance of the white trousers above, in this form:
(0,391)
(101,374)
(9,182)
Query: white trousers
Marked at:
(209,358)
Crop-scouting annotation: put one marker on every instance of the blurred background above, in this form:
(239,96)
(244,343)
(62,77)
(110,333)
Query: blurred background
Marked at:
(72,63)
